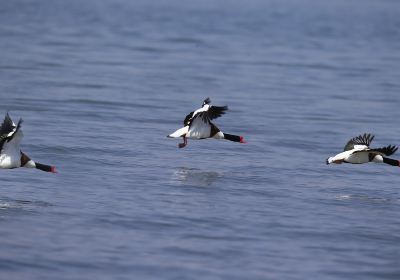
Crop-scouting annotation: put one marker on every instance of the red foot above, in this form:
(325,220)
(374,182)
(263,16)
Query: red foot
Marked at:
(182,145)
(53,169)
(242,140)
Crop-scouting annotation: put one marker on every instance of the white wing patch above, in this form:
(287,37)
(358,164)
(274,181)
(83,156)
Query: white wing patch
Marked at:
(202,109)
(199,129)
(180,132)
(360,147)
(11,152)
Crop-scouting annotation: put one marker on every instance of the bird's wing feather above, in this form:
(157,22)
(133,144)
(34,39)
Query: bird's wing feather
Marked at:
(7,126)
(213,112)
(386,151)
(361,140)
(188,118)
(10,134)
(361,151)
(199,129)
(12,146)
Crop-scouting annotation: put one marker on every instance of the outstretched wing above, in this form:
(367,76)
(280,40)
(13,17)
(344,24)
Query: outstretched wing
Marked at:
(386,151)
(213,112)
(9,130)
(361,140)
(7,126)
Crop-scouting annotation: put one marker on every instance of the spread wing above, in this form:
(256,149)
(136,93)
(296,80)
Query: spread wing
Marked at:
(386,151)
(213,112)
(9,130)
(7,126)
(361,140)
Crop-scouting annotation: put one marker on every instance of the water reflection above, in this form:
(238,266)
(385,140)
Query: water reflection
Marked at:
(195,177)
(348,197)
(8,206)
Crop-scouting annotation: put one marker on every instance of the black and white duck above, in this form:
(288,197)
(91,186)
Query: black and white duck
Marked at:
(358,151)
(198,125)
(11,155)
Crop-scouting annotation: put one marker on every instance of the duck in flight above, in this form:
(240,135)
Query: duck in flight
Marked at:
(11,155)
(357,151)
(198,125)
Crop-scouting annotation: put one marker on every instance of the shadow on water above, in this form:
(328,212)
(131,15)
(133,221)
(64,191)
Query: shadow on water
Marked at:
(194,177)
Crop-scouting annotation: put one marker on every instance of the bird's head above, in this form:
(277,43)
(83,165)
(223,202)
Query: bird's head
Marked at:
(206,101)
(338,159)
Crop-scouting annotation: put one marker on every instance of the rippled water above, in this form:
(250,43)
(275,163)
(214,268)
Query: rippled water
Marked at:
(101,83)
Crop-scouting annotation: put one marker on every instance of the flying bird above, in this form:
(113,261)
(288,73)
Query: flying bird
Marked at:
(357,151)
(198,125)
(11,155)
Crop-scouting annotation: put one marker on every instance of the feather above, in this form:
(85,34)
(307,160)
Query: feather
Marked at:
(364,139)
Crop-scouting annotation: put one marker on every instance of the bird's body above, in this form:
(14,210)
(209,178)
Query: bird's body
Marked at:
(11,155)
(198,125)
(357,151)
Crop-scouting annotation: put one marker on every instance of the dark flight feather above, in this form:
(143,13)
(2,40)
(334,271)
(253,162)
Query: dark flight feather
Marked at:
(387,151)
(364,139)
(213,112)
(7,126)
(188,119)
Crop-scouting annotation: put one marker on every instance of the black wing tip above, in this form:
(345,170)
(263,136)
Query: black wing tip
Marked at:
(389,150)
(7,126)
(369,136)
(363,139)
(7,115)
(365,136)
(20,123)
(393,148)
(222,109)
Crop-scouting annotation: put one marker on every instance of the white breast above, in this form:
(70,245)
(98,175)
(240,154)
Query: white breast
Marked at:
(11,159)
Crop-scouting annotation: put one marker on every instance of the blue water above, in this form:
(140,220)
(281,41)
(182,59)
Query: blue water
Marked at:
(100,84)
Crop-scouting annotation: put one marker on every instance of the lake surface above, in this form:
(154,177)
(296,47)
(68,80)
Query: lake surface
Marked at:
(100,84)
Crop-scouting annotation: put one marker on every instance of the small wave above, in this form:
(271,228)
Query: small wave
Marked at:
(147,49)
(184,40)
(362,198)
(24,205)
(343,197)
(192,176)
(4,205)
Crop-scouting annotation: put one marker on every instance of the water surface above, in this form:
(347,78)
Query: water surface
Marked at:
(99,85)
